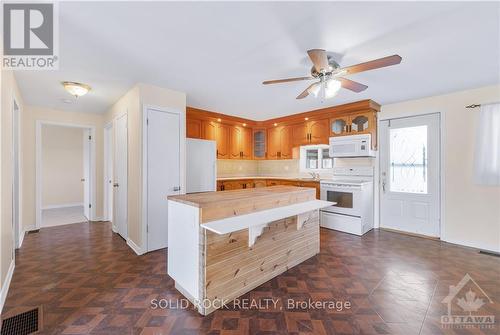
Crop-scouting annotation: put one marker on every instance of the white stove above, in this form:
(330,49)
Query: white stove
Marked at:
(352,190)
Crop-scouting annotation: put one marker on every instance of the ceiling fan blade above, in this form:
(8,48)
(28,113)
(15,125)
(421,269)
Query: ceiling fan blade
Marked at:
(277,81)
(307,91)
(374,64)
(319,59)
(352,85)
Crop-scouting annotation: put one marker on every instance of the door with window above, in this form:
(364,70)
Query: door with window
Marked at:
(409,174)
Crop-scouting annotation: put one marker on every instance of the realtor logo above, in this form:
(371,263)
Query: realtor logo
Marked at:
(30,36)
(470,297)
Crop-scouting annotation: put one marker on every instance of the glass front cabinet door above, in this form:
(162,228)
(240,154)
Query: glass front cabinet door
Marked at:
(338,126)
(361,123)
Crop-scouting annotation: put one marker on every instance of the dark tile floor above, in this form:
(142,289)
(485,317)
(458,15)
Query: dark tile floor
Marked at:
(87,280)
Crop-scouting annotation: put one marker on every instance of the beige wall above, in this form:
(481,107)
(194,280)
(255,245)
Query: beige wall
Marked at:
(471,212)
(62,165)
(30,116)
(132,103)
(9,91)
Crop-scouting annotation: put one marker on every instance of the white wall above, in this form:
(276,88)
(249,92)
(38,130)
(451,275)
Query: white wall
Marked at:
(471,212)
(133,103)
(30,116)
(9,92)
(62,165)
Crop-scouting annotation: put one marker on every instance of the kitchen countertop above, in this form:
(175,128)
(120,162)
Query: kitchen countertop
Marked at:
(268,177)
(275,196)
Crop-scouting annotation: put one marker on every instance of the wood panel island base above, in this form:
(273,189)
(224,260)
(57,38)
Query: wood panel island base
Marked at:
(222,245)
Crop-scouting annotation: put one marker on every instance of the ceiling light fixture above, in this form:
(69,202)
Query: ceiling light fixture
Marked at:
(332,87)
(76,89)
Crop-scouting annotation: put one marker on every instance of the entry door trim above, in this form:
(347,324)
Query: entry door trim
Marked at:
(442,167)
(38,169)
(182,163)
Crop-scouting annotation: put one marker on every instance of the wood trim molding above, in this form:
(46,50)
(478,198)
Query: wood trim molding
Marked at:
(327,112)
(197,113)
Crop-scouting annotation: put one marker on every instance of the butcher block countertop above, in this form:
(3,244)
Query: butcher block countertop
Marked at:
(220,205)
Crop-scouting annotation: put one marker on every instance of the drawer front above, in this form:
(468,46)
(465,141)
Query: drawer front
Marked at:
(344,223)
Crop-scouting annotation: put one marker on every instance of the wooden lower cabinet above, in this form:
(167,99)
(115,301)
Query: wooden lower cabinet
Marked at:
(226,185)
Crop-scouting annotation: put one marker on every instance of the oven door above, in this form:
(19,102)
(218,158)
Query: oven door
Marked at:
(347,197)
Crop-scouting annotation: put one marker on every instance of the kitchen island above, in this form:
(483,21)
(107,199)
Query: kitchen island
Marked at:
(222,245)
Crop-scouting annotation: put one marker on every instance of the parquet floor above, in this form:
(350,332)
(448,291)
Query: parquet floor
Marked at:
(88,281)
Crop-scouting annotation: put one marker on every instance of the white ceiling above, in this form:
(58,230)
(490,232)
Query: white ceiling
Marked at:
(219,53)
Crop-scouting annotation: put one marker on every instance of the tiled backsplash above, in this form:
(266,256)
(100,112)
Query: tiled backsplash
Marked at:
(236,168)
(278,168)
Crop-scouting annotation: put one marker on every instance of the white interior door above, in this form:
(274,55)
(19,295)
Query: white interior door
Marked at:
(409,174)
(120,176)
(108,173)
(86,173)
(163,172)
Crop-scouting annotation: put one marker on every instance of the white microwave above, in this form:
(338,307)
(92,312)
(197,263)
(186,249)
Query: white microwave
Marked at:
(351,146)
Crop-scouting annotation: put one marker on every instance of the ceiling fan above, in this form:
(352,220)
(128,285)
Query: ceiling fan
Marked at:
(330,74)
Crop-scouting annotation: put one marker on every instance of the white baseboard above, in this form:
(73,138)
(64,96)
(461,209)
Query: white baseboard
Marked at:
(6,284)
(98,218)
(74,204)
(473,245)
(21,238)
(134,247)
(30,228)
(113,228)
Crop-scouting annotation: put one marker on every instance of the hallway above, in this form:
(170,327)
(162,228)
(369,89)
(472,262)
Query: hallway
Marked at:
(89,281)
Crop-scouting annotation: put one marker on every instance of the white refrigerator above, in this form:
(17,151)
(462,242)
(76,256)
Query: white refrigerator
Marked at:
(201,165)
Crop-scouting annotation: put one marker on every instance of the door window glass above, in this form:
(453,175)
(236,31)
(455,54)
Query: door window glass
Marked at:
(408,159)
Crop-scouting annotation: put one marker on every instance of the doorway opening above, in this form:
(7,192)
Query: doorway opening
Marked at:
(65,172)
(410,175)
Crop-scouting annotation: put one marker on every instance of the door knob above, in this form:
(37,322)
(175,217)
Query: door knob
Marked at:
(177,188)
(82,180)
(116,185)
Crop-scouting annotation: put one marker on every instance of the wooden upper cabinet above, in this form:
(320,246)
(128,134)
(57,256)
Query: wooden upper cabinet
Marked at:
(209,130)
(339,126)
(273,143)
(300,134)
(223,140)
(194,128)
(362,123)
(235,139)
(279,142)
(286,142)
(319,131)
(356,123)
(240,142)
(247,143)
(310,132)
(259,143)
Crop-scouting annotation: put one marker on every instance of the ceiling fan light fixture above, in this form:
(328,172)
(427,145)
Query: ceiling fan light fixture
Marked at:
(76,89)
(332,88)
(315,90)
